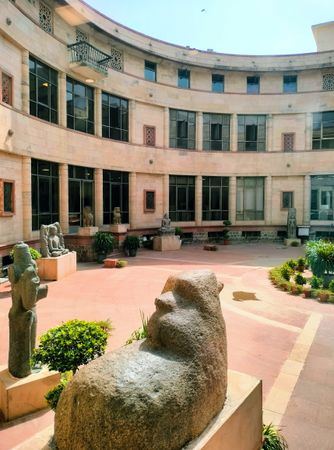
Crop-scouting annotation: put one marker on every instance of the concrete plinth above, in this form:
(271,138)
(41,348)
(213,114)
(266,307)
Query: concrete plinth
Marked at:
(168,242)
(21,396)
(119,228)
(88,231)
(52,269)
(289,241)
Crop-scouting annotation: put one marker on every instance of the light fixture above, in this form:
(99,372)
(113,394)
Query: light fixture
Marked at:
(45,84)
(89,80)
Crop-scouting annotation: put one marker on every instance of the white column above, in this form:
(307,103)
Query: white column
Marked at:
(98,112)
(199,131)
(308,131)
(234,133)
(307,200)
(25,81)
(63,197)
(165,199)
(232,199)
(62,99)
(26,198)
(269,131)
(198,200)
(166,127)
(268,200)
(133,199)
(132,122)
(98,186)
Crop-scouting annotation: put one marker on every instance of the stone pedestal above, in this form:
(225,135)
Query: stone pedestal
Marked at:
(21,396)
(119,228)
(168,242)
(88,231)
(289,241)
(53,269)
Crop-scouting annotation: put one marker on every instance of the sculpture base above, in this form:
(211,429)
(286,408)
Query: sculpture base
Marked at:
(168,242)
(53,269)
(21,396)
(88,231)
(289,241)
(119,228)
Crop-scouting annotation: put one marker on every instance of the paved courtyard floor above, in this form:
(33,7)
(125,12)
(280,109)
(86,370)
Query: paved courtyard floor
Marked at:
(286,341)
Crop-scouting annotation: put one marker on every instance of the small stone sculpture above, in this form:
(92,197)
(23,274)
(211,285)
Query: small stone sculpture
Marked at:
(117,215)
(88,217)
(26,291)
(292,223)
(52,241)
(165,226)
(159,393)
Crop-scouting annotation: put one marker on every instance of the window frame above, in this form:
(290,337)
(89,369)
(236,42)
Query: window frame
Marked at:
(175,184)
(252,87)
(147,209)
(287,90)
(259,144)
(222,81)
(111,183)
(189,140)
(90,106)
(122,116)
(183,74)
(4,213)
(225,142)
(152,70)
(247,212)
(291,198)
(209,184)
(319,141)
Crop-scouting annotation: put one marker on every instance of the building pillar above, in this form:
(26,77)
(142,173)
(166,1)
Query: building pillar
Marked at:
(165,199)
(307,200)
(198,200)
(232,199)
(132,122)
(234,133)
(25,81)
(308,130)
(269,131)
(63,197)
(166,127)
(98,186)
(133,199)
(199,131)
(26,198)
(268,200)
(98,112)
(62,99)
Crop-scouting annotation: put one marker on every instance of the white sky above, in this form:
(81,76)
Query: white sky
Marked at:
(228,26)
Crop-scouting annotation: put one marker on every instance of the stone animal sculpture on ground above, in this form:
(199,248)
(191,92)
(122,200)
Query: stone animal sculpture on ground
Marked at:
(88,218)
(159,393)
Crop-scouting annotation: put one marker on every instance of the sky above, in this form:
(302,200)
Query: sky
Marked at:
(260,27)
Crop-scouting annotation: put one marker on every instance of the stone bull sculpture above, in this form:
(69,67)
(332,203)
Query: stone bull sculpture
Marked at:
(159,393)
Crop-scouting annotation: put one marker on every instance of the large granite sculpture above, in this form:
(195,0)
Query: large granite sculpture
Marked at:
(291,223)
(166,228)
(52,241)
(26,291)
(156,394)
(88,218)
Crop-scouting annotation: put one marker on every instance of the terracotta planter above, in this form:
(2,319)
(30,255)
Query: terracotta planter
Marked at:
(307,293)
(323,297)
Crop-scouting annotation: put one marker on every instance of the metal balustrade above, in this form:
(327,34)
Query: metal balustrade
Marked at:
(86,54)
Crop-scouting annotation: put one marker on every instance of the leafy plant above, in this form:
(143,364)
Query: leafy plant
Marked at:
(286,271)
(294,244)
(72,344)
(331,286)
(121,263)
(178,231)
(35,254)
(301,262)
(272,438)
(52,396)
(299,279)
(141,332)
(320,255)
(292,263)
(131,242)
(103,242)
(227,223)
(316,282)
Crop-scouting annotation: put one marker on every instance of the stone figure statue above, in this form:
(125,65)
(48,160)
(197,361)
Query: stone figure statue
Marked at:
(26,291)
(292,223)
(165,226)
(117,215)
(158,393)
(88,217)
(52,241)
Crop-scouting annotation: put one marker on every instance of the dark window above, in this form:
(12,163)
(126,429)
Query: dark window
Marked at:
(323,130)
(181,198)
(115,117)
(288,141)
(150,71)
(216,131)
(149,201)
(6,88)
(80,193)
(182,129)
(183,78)
(322,193)
(289,83)
(7,197)
(80,106)
(217,83)
(250,198)
(44,193)
(287,200)
(43,85)
(251,133)
(253,85)
(115,194)
(215,198)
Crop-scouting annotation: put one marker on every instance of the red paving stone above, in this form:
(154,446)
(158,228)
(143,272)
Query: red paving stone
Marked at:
(258,332)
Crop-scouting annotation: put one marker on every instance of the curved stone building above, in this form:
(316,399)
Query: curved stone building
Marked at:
(95,114)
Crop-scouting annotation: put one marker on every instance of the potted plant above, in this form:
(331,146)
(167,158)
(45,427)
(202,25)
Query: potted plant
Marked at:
(103,243)
(225,232)
(131,245)
(300,266)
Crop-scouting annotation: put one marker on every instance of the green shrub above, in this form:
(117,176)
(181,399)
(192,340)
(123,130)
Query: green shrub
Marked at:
(178,231)
(299,279)
(320,256)
(292,263)
(72,344)
(301,262)
(33,253)
(141,332)
(316,282)
(331,286)
(272,438)
(131,242)
(286,271)
(121,263)
(103,242)
(294,244)
(52,396)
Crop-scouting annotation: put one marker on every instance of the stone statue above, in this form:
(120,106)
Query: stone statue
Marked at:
(88,217)
(165,226)
(117,215)
(292,223)
(52,241)
(26,291)
(158,393)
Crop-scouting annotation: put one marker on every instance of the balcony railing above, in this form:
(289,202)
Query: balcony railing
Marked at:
(85,54)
